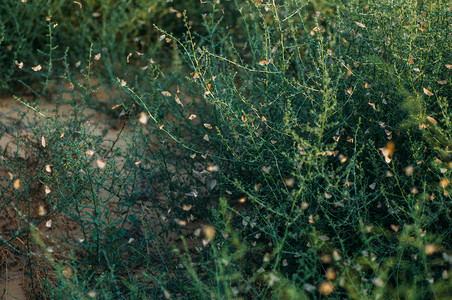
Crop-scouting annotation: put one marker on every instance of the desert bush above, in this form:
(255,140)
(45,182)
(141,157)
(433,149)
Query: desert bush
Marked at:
(281,149)
(327,135)
(120,32)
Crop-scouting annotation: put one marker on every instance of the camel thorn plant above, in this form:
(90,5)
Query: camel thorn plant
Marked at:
(228,150)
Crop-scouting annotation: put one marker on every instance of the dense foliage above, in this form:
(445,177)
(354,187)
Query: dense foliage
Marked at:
(281,149)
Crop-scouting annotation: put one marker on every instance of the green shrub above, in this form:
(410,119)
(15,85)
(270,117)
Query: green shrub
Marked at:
(287,150)
(120,32)
(305,123)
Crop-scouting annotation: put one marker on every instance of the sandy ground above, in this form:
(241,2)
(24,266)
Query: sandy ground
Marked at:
(11,272)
